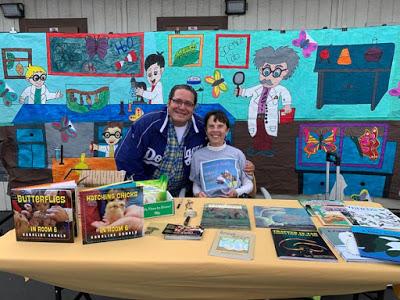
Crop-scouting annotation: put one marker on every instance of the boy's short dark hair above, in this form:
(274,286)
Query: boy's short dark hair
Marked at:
(155,58)
(219,115)
(183,87)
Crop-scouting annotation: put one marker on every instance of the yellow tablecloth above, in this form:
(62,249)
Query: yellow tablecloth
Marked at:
(154,268)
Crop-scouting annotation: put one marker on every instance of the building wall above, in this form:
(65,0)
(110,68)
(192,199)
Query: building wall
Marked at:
(141,15)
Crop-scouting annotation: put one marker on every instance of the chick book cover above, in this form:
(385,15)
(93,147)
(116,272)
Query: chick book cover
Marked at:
(112,212)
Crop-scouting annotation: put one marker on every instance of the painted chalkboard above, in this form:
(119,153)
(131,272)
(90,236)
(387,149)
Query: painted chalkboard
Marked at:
(95,54)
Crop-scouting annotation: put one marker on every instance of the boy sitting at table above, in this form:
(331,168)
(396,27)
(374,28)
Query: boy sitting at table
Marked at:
(217,170)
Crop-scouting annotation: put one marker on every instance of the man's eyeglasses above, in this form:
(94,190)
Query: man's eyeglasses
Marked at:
(180,102)
(117,135)
(275,73)
(38,77)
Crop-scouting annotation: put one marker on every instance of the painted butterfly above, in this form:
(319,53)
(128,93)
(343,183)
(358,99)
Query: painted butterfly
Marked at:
(315,142)
(97,46)
(217,82)
(66,129)
(7,95)
(306,43)
(369,143)
(396,91)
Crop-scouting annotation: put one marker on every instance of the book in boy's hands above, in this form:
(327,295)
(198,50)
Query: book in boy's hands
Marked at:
(181,232)
(45,213)
(301,244)
(332,215)
(378,243)
(233,216)
(344,242)
(374,217)
(112,212)
(231,244)
(278,217)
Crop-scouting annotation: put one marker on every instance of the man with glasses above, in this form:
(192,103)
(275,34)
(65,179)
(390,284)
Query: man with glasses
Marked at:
(163,142)
(112,133)
(37,92)
(273,67)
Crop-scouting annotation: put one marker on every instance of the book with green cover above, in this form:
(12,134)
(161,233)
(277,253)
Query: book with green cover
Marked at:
(307,203)
(225,216)
(332,215)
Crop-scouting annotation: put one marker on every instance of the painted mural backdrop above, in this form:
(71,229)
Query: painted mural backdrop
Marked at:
(338,90)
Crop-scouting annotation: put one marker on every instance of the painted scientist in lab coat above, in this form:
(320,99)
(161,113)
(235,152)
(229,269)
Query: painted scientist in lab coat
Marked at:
(37,92)
(273,65)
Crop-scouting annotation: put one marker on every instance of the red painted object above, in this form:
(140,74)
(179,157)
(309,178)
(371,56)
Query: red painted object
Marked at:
(324,54)
(286,118)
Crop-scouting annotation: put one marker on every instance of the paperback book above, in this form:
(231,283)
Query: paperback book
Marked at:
(301,245)
(378,243)
(344,242)
(332,215)
(112,212)
(278,217)
(45,213)
(231,244)
(231,216)
(374,217)
(181,232)
(307,203)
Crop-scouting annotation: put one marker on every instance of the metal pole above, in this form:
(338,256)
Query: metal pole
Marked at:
(328,165)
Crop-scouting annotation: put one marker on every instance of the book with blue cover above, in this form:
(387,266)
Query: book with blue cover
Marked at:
(279,217)
(378,243)
(344,242)
(219,176)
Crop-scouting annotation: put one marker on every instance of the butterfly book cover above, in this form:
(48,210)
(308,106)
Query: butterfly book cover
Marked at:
(344,242)
(231,244)
(112,212)
(277,217)
(378,243)
(378,217)
(225,216)
(301,245)
(45,213)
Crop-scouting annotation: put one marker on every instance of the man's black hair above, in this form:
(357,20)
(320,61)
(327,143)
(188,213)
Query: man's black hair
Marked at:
(183,87)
